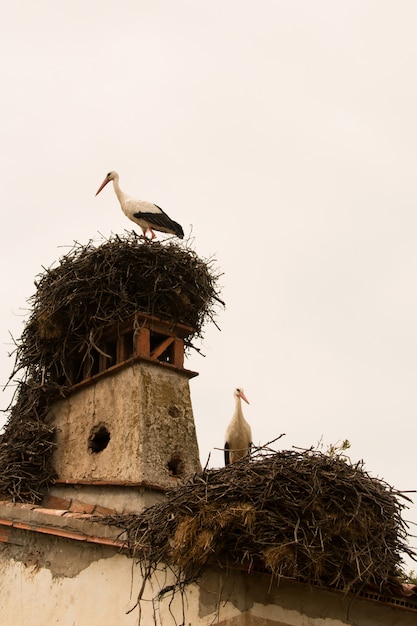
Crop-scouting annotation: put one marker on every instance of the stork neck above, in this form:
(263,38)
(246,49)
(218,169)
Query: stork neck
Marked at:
(119,193)
(238,412)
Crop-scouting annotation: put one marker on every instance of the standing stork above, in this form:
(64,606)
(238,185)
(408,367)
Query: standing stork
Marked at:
(147,215)
(238,439)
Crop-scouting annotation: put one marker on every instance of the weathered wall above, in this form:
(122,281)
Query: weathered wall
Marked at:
(240,599)
(147,411)
(123,499)
(52,580)
(99,594)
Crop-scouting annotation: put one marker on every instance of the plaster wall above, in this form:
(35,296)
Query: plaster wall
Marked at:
(238,598)
(147,412)
(100,594)
(50,580)
(123,499)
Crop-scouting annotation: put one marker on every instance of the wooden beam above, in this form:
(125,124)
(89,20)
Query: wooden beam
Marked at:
(178,353)
(156,352)
(143,342)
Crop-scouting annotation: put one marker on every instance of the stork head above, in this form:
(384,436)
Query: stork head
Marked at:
(238,393)
(110,176)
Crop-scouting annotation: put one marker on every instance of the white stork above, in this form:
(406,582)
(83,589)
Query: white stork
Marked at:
(149,216)
(238,439)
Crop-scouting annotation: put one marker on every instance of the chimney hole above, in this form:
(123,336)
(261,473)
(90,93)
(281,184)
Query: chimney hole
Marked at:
(99,439)
(175,466)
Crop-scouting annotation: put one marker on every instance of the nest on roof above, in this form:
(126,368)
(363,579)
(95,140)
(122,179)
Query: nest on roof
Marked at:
(303,515)
(92,288)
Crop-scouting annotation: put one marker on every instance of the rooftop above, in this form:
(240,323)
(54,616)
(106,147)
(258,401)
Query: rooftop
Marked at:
(78,521)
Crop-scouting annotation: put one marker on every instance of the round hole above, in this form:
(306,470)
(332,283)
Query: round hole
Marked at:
(99,439)
(174,411)
(175,466)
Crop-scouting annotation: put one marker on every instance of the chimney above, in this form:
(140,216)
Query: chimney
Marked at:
(125,433)
(103,411)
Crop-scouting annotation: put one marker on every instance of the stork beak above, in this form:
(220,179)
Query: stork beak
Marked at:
(242,395)
(103,184)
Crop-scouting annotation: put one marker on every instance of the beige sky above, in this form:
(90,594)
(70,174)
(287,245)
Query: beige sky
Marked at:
(281,134)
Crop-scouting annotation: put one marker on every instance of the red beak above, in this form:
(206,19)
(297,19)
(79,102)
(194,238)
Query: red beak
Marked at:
(103,184)
(242,395)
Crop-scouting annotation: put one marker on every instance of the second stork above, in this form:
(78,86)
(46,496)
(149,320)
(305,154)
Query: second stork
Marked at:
(238,438)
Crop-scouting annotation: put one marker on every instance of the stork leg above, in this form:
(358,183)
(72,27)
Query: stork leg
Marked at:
(145,233)
(226,454)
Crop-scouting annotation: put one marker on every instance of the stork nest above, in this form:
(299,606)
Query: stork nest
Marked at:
(91,289)
(26,447)
(303,515)
(95,287)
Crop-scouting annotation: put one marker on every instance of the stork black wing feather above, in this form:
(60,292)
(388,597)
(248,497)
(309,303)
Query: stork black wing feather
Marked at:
(161,221)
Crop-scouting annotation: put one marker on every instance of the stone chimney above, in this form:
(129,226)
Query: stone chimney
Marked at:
(126,432)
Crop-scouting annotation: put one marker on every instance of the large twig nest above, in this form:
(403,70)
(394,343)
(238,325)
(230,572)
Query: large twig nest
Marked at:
(303,515)
(94,287)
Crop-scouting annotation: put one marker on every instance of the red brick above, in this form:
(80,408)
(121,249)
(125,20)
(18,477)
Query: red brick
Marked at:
(102,510)
(53,502)
(81,507)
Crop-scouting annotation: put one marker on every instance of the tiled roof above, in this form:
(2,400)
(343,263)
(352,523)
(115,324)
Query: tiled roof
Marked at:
(70,519)
(72,505)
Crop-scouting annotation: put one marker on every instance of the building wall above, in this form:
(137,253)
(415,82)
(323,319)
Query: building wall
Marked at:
(52,580)
(257,600)
(99,594)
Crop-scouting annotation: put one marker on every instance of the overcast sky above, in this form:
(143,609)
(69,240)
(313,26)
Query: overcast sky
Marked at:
(282,135)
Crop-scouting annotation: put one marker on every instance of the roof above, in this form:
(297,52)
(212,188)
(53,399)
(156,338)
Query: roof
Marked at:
(69,519)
